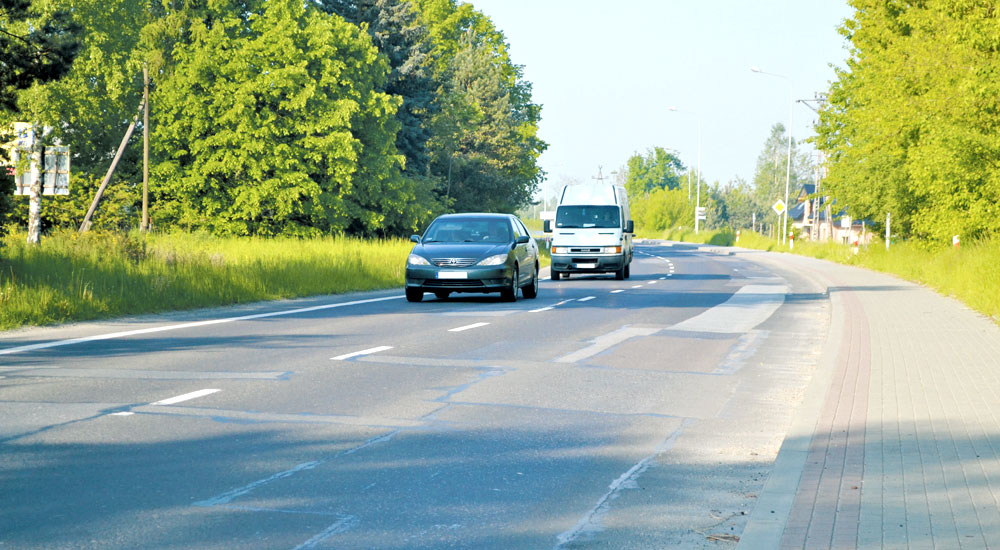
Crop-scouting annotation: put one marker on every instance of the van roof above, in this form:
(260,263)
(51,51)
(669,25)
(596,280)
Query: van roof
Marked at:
(589,194)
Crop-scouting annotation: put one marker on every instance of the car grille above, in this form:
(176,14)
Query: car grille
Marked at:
(453,262)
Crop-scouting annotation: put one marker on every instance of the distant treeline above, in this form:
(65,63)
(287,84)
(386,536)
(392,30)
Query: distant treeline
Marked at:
(278,117)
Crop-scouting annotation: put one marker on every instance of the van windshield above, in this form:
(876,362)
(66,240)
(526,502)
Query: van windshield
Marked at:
(587,216)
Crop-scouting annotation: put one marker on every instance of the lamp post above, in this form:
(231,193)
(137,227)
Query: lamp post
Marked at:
(697,204)
(788,165)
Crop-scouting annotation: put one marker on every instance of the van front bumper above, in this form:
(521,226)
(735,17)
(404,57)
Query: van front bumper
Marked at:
(587,263)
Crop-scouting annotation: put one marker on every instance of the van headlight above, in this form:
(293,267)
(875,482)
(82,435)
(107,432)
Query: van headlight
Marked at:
(494,260)
(612,250)
(560,250)
(417,260)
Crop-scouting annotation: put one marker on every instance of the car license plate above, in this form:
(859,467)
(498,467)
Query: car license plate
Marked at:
(585,266)
(453,275)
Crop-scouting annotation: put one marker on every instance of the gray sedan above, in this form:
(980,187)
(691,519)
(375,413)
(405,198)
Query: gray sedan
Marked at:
(473,253)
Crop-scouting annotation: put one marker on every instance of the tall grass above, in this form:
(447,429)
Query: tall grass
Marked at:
(970,273)
(77,277)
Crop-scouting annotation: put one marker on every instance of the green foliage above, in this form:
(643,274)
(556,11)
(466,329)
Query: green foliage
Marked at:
(271,123)
(37,45)
(772,171)
(103,274)
(485,144)
(120,208)
(912,122)
(657,169)
(662,210)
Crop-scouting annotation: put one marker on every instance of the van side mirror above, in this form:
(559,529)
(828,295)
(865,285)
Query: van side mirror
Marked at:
(522,239)
(630,227)
(414,238)
(547,226)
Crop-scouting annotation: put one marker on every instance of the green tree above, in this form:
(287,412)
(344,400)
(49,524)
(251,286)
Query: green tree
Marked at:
(770,174)
(657,169)
(37,45)
(271,122)
(484,145)
(912,122)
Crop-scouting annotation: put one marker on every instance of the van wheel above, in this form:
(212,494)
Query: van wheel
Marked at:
(554,275)
(627,274)
(414,294)
(620,274)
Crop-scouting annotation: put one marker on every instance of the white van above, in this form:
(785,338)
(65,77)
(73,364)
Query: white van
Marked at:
(593,231)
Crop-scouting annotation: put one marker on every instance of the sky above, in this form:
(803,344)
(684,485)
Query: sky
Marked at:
(606,74)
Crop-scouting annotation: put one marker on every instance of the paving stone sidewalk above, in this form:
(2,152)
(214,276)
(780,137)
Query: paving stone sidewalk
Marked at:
(897,444)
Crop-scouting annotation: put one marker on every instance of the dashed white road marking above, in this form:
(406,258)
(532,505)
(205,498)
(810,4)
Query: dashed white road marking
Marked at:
(122,413)
(541,309)
(617,291)
(368,351)
(151,330)
(186,397)
(587,299)
(467,327)
(651,283)
(662,278)
(636,286)
(343,524)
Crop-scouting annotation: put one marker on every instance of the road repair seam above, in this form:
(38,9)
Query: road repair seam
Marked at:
(590,523)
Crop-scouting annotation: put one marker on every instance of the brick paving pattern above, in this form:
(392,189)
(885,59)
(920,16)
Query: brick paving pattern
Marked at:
(906,451)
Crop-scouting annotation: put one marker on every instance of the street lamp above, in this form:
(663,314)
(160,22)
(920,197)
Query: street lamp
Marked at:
(697,204)
(788,165)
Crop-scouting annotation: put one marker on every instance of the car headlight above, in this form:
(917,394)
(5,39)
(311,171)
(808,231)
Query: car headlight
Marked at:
(417,260)
(494,260)
(560,250)
(612,250)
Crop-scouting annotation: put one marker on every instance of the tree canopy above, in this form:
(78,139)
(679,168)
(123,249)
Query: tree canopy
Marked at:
(365,117)
(912,123)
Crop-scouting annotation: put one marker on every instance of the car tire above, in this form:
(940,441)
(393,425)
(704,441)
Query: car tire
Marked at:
(627,271)
(620,274)
(414,294)
(554,275)
(442,294)
(510,294)
(531,291)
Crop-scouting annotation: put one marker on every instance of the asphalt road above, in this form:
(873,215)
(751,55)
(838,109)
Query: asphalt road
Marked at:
(642,413)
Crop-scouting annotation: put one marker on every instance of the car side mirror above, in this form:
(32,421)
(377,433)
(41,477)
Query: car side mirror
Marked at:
(630,227)
(547,226)
(414,238)
(522,239)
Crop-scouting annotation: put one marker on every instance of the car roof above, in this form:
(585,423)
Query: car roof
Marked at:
(476,215)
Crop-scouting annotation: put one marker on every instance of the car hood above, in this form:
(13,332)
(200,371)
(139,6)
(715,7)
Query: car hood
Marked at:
(460,250)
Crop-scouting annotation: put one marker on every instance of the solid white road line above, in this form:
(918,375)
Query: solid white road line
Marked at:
(468,327)
(587,299)
(185,397)
(152,330)
(368,351)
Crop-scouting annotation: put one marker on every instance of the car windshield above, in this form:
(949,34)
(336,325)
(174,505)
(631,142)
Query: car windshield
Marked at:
(587,216)
(469,230)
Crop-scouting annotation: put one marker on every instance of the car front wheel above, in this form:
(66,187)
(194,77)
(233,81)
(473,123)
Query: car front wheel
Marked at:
(509,294)
(531,291)
(414,294)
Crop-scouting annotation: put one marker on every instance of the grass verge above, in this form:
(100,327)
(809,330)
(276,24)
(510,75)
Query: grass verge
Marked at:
(970,274)
(73,277)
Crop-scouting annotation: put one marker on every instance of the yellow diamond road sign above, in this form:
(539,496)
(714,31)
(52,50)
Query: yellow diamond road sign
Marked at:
(779,207)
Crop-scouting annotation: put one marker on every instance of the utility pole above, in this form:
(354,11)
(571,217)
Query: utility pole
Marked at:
(600,176)
(144,226)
